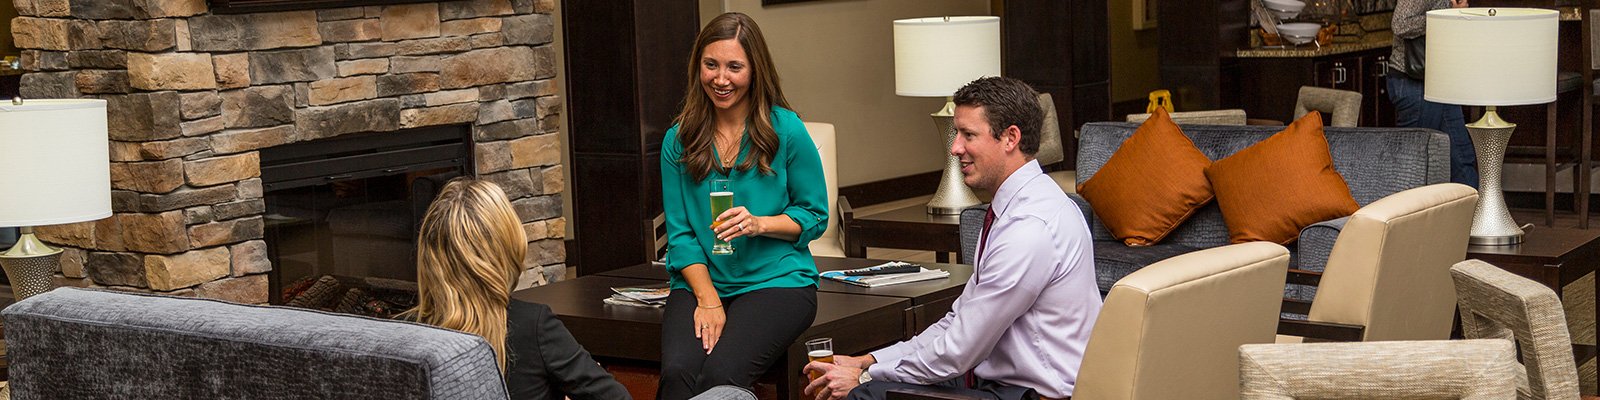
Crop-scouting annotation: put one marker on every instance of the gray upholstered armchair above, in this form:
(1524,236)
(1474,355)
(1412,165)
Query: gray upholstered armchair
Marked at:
(1496,304)
(73,343)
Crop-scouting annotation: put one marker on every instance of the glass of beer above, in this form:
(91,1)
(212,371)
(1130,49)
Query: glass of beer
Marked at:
(721,200)
(819,349)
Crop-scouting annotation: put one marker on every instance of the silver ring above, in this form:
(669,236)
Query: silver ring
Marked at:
(703,327)
(741,227)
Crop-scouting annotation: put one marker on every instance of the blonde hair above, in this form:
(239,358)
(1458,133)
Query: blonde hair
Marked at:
(470,250)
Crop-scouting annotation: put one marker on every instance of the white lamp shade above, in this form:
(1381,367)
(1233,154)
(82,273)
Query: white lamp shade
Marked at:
(54,162)
(933,57)
(1478,59)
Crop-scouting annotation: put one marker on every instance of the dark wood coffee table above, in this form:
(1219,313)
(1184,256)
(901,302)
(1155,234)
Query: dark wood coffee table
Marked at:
(857,323)
(929,300)
(909,227)
(1555,257)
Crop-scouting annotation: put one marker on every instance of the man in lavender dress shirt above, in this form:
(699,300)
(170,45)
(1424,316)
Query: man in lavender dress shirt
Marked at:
(1019,329)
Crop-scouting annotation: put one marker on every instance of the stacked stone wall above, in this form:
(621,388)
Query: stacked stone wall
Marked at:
(192,98)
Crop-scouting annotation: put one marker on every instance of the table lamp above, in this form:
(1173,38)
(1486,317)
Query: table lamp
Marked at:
(1491,57)
(933,57)
(54,169)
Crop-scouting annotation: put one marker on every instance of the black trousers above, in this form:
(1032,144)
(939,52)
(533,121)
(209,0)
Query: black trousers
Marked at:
(964,385)
(760,326)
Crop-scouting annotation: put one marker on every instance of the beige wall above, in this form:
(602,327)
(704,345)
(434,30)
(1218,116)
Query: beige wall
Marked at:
(1134,56)
(836,59)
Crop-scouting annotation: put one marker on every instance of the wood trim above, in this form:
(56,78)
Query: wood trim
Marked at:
(1326,331)
(1294,306)
(892,189)
(1302,277)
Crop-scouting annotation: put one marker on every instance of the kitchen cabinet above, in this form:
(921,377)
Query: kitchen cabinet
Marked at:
(1266,82)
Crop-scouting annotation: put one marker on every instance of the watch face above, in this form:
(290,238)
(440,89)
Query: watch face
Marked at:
(864,378)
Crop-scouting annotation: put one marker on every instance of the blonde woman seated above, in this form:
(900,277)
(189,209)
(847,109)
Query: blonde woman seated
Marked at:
(469,254)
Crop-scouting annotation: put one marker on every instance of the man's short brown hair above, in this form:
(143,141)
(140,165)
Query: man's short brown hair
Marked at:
(1006,102)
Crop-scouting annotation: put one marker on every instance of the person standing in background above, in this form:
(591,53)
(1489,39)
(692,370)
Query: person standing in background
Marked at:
(1405,89)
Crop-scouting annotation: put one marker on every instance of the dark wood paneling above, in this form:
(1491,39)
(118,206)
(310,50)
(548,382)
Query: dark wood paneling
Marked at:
(625,63)
(1195,34)
(891,189)
(1071,60)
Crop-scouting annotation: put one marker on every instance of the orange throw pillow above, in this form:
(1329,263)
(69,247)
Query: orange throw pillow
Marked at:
(1154,182)
(1272,189)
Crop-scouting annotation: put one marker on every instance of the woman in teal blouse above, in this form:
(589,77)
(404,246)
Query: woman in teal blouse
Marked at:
(730,316)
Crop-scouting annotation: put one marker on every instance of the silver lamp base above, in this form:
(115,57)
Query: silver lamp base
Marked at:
(953,194)
(1491,221)
(30,265)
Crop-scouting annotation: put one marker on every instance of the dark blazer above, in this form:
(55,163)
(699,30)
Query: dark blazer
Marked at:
(545,362)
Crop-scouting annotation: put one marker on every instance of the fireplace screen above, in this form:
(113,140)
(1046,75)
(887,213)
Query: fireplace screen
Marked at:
(349,206)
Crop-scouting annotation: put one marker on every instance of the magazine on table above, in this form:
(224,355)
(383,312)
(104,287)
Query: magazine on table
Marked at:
(903,272)
(652,295)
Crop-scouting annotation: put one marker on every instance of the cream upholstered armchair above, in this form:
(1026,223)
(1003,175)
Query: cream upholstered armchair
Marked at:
(822,134)
(1173,329)
(1496,304)
(1388,275)
(1342,107)
(1432,369)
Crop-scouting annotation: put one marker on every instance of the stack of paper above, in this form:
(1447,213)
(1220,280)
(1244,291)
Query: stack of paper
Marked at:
(644,296)
(887,279)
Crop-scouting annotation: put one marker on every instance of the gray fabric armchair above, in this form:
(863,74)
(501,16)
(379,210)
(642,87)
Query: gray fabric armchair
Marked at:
(73,344)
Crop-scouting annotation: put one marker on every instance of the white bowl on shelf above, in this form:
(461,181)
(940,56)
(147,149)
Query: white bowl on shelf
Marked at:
(1284,9)
(1299,32)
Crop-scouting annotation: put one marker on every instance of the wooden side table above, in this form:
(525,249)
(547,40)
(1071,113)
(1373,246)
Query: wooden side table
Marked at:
(910,227)
(1555,257)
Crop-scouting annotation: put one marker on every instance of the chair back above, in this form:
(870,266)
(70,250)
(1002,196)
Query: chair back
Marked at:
(1050,151)
(73,343)
(1342,107)
(1432,369)
(1496,304)
(1209,117)
(1389,268)
(1173,329)
(655,238)
(822,134)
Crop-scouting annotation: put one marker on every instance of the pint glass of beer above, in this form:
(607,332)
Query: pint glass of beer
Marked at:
(819,349)
(721,200)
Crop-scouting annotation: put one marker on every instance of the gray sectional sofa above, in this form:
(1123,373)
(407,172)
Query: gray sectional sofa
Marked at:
(1375,162)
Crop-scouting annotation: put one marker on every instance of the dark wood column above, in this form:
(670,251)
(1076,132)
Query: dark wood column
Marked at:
(1062,48)
(625,78)
(1197,36)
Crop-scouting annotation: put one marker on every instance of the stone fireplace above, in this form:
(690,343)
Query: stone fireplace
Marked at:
(197,100)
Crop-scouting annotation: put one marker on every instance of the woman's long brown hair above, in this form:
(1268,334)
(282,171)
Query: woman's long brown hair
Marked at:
(470,249)
(696,124)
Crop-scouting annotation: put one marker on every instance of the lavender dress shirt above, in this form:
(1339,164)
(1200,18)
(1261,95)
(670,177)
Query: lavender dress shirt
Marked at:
(1025,316)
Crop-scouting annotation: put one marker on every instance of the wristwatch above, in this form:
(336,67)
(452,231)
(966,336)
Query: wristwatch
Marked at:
(865,377)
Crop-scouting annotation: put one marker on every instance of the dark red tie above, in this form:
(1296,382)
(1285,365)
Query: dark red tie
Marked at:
(983,238)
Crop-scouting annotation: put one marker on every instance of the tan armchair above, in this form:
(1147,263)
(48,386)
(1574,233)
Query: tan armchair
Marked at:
(1172,329)
(830,244)
(1388,275)
(1434,369)
(1340,107)
(1496,304)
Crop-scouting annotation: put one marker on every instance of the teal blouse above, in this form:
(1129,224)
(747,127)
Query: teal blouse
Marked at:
(796,188)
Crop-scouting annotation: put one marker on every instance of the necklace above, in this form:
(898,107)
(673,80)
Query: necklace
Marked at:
(728,151)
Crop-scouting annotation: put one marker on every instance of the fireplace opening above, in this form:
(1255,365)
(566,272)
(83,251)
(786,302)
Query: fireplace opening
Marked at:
(348,206)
